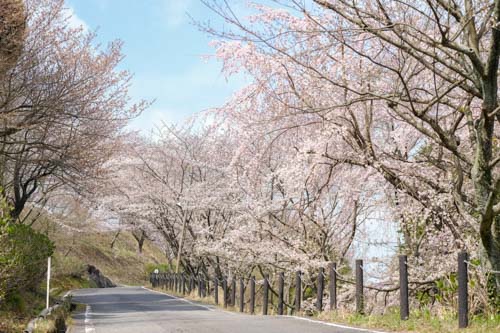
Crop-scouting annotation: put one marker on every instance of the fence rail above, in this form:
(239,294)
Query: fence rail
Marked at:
(183,283)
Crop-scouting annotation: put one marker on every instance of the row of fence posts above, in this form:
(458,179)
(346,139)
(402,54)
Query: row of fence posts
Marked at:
(182,284)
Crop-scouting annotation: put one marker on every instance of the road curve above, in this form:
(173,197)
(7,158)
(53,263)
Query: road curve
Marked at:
(138,310)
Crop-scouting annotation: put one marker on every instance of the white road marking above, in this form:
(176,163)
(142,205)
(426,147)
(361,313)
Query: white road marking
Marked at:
(89,327)
(334,325)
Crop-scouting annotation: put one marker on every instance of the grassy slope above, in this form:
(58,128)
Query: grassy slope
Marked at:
(122,264)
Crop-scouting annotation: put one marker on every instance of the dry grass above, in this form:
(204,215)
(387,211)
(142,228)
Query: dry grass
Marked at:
(20,309)
(122,263)
(419,321)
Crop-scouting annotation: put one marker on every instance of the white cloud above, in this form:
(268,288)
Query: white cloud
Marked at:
(176,12)
(153,118)
(74,21)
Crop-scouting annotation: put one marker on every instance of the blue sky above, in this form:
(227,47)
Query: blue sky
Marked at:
(165,52)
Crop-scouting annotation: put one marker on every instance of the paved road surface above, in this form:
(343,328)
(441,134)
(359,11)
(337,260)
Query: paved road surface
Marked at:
(138,310)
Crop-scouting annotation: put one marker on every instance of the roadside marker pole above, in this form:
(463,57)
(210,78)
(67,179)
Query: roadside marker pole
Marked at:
(48,281)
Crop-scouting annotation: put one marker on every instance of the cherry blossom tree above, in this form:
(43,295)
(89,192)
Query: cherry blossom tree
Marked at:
(224,203)
(405,90)
(12,31)
(63,104)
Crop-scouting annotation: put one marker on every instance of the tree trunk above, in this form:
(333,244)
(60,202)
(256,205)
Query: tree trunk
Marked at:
(486,190)
(115,237)
(141,244)
(491,242)
(140,238)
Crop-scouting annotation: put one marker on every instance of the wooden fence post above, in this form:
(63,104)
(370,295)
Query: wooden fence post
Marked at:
(216,291)
(181,283)
(281,286)
(321,285)
(252,295)
(199,286)
(233,292)
(242,295)
(463,295)
(404,306)
(265,299)
(224,289)
(333,286)
(298,292)
(359,287)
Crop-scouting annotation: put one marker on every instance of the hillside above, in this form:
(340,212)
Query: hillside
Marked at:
(122,263)
(73,252)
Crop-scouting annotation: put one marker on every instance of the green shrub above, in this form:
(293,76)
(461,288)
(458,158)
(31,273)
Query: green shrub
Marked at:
(15,302)
(23,256)
(161,267)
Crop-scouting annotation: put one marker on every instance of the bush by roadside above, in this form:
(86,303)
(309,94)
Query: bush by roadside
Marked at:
(55,321)
(23,259)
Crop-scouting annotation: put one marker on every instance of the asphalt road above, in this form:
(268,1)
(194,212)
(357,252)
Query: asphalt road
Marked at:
(137,310)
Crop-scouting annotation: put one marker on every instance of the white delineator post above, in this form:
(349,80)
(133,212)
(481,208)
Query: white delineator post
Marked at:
(48,281)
